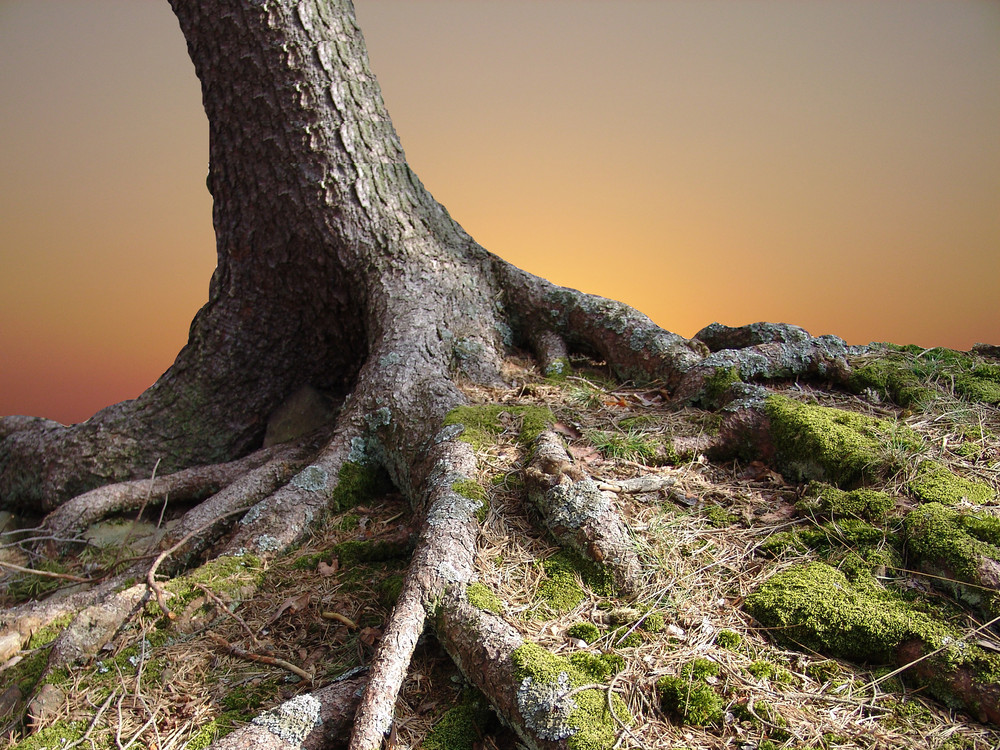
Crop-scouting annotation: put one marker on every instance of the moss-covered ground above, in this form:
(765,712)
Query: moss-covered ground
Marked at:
(774,600)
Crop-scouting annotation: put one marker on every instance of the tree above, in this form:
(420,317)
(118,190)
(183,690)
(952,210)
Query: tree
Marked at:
(338,274)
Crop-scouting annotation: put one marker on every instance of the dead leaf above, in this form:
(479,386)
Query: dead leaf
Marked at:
(370,636)
(585,453)
(330,569)
(568,430)
(291,604)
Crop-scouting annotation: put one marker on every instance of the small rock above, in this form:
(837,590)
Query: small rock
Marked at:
(45,705)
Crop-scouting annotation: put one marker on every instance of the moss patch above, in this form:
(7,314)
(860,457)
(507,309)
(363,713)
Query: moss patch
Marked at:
(483,424)
(583,719)
(718,384)
(825,501)
(358,483)
(815,606)
(481,597)
(688,698)
(461,727)
(587,632)
(935,483)
(565,569)
(843,447)
(892,377)
(954,544)
(58,735)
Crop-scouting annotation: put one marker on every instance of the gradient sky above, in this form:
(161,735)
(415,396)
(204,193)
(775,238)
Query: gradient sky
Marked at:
(830,164)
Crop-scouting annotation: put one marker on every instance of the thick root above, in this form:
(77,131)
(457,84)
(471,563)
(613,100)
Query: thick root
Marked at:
(576,511)
(188,485)
(444,556)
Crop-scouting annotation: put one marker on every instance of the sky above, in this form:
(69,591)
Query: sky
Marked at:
(833,164)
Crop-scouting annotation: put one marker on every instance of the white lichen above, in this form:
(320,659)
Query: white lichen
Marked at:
(572,506)
(312,478)
(292,720)
(267,543)
(546,707)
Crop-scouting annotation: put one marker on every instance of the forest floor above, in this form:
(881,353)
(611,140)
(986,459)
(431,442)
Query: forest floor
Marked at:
(688,653)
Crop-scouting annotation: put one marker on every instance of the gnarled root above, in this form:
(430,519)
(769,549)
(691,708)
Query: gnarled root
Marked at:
(576,511)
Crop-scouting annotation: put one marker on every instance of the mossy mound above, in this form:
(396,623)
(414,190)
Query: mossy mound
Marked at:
(892,378)
(688,698)
(935,483)
(815,606)
(842,447)
(565,570)
(825,501)
(461,727)
(911,376)
(961,548)
(583,719)
(482,597)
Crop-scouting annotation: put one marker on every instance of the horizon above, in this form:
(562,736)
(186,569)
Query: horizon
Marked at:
(829,165)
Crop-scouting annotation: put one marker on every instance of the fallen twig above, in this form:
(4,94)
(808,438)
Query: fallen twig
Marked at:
(260,658)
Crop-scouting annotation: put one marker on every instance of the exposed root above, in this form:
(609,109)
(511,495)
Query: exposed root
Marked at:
(444,555)
(576,511)
(310,722)
(187,485)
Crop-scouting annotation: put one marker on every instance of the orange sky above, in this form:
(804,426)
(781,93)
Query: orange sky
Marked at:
(831,164)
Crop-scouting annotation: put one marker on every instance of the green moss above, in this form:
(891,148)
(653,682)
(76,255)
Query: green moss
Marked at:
(212,731)
(717,385)
(893,378)
(587,632)
(473,491)
(653,623)
(719,518)
(700,668)
(484,423)
(825,501)
(27,672)
(766,670)
(354,552)
(58,735)
(481,597)
(935,483)
(728,640)
(585,722)
(843,447)
(223,575)
(953,544)
(562,590)
(688,698)
(982,383)
(359,483)
(460,728)
(45,636)
(311,561)
(600,667)
(470,489)
(815,606)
